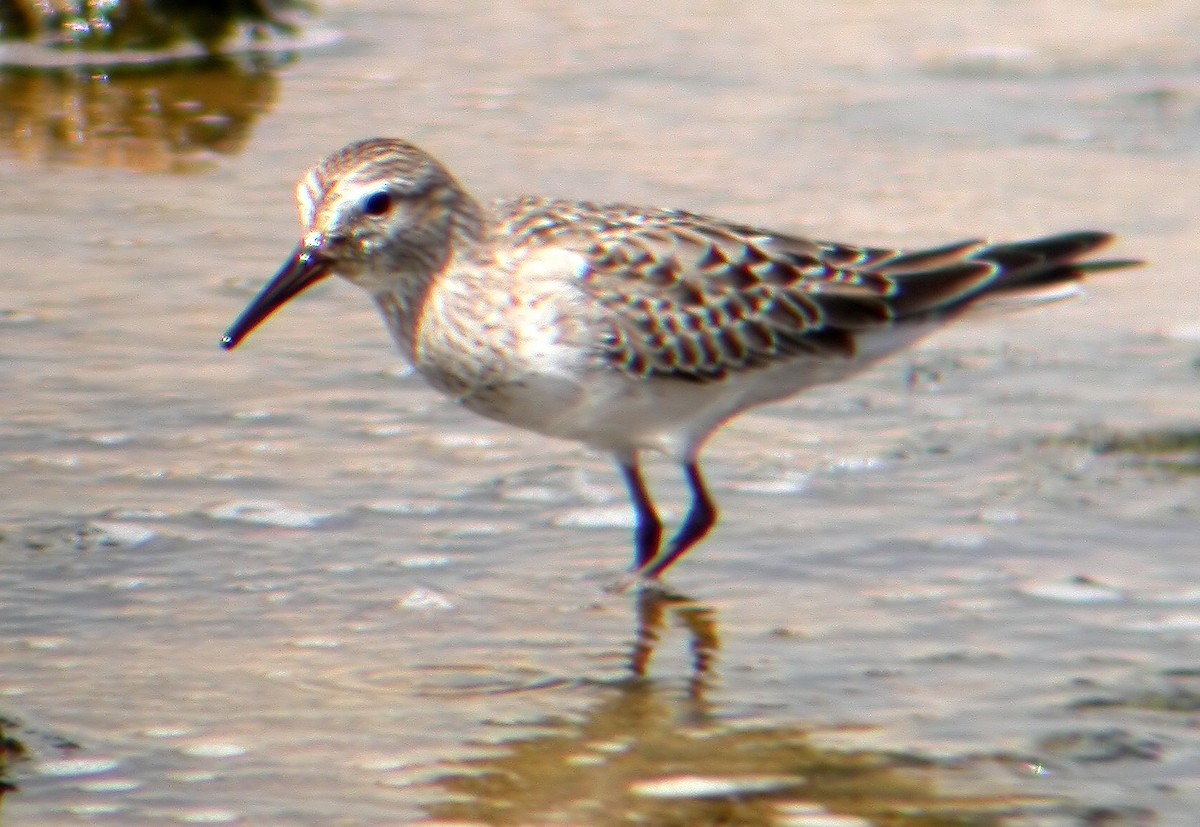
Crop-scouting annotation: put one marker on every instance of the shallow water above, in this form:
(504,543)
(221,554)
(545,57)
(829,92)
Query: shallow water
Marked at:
(291,585)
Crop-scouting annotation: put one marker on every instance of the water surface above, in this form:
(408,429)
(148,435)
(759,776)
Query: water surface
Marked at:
(292,585)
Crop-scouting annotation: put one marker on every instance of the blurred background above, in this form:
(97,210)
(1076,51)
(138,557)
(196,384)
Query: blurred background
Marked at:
(292,585)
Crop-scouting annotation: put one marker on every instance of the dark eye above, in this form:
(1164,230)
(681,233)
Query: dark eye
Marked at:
(377,203)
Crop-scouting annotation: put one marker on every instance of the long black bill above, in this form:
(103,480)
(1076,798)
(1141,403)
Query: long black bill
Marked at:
(304,268)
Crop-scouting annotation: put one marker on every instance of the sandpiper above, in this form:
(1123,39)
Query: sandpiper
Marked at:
(624,328)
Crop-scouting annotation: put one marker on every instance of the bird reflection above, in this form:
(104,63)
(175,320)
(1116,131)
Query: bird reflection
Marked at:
(655,608)
(646,753)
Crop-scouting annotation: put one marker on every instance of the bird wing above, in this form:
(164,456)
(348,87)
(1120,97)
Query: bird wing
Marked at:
(694,297)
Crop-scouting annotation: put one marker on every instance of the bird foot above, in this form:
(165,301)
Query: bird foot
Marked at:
(624,583)
(643,584)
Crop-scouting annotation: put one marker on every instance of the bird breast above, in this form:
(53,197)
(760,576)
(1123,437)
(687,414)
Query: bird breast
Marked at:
(519,320)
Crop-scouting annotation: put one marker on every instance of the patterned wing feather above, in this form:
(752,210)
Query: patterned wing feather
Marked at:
(695,298)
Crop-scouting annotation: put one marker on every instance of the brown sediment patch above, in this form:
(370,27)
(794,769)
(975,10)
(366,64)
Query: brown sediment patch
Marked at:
(1175,450)
(632,762)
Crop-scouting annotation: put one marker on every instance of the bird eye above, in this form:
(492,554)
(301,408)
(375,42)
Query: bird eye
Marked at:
(377,203)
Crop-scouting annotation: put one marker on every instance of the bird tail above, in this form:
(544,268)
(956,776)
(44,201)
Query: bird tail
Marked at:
(976,275)
(1046,262)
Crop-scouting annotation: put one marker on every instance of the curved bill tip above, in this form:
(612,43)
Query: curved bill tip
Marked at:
(304,268)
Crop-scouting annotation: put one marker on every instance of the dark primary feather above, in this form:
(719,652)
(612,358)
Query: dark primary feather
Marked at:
(696,297)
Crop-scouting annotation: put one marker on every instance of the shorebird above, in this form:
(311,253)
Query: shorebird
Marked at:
(624,328)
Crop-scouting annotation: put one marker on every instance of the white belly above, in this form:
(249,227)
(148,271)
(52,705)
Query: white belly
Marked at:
(611,411)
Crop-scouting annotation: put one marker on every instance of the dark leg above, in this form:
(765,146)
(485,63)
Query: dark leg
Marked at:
(647,534)
(700,518)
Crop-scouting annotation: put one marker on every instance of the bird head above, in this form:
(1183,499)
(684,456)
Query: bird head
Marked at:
(381,214)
